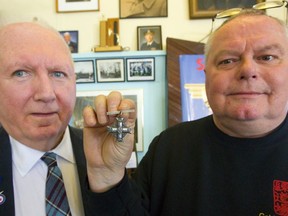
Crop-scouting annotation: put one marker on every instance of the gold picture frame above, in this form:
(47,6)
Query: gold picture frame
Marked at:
(199,9)
(66,6)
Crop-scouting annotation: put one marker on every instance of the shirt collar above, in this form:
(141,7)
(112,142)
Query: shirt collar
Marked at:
(24,158)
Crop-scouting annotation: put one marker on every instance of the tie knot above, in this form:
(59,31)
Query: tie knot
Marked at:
(50,159)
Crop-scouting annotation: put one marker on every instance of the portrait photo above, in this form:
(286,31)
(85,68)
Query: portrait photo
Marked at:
(149,38)
(71,38)
(143,8)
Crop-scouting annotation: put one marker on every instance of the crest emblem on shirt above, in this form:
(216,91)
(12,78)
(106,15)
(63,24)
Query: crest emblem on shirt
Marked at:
(280,193)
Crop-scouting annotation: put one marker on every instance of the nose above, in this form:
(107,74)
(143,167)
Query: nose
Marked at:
(248,70)
(44,89)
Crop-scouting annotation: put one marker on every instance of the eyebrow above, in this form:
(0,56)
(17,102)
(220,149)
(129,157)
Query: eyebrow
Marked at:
(276,47)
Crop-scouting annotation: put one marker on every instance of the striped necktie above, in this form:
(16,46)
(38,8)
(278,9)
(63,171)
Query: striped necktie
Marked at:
(56,199)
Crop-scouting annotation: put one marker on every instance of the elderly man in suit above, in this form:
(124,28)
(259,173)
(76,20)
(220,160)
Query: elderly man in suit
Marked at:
(38,93)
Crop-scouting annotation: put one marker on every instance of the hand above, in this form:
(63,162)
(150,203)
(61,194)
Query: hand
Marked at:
(107,158)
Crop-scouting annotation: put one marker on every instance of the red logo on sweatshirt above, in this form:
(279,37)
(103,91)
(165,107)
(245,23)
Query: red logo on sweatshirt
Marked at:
(280,191)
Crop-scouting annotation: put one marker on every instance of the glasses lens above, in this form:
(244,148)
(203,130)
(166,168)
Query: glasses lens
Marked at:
(228,13)
(269,4)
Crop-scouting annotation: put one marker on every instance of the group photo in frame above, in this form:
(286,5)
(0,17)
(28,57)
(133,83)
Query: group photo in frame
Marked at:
(149,37)
(208,9)
(110,70)
(85,98)
(140,69)
(143,8)
(65,6)
(85,71)
(71,38)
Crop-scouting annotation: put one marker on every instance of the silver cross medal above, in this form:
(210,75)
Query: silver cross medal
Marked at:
(119,130)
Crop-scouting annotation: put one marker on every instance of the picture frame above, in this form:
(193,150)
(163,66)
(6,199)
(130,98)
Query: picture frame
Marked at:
(71,38)
(110,70)
(85,71)
(143,9)
(84,98)
(66,6)
(140,69)
(149,34)
(208,9)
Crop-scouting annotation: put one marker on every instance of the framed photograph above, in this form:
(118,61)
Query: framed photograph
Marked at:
(110,70)
(149,38)
(71,38)
(64,6)
(142,9)
(85,71)
(208,9)
(85,98)
(140,69)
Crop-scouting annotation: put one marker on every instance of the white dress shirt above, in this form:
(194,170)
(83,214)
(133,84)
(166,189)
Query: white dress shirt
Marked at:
(29,178)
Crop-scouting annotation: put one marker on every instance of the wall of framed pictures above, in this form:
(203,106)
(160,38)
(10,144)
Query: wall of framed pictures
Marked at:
(137,74)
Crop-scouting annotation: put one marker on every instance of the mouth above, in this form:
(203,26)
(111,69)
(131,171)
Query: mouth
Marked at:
(246,95)
(44,114)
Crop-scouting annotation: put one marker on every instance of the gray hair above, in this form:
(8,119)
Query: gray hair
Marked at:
(244,12)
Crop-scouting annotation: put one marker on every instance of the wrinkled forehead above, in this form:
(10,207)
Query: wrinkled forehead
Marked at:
(247,24)
(250,28)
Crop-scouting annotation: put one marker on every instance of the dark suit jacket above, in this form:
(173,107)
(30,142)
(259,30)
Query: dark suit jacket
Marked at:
(153,46)
(6,180)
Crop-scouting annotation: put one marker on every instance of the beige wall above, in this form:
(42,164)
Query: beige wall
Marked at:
(176,25)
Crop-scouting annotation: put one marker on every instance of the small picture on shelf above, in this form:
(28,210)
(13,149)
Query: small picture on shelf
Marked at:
(71,38)
(149,38)
(110,70)
(140,69)
(84,70)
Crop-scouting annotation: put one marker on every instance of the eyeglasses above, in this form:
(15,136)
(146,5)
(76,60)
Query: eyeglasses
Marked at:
(259,6)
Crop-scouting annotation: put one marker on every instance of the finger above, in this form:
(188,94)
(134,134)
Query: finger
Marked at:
(100,103)
(89,117)
(113,101)
(129,106)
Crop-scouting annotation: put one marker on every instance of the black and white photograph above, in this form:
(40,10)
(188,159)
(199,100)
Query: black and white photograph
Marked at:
(110,70)
(140,69)
(84,70)
(143,8)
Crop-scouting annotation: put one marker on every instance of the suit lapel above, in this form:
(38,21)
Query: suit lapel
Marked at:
(6,181)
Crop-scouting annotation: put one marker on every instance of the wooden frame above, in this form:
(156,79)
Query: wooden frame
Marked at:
(74,38)
(64,6)
(147,33)
(85,71)
(140,69)
(110,70)
(208,9)
(85,98)
(143,9)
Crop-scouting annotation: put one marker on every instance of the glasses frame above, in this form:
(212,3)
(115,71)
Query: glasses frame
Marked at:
(259,6)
